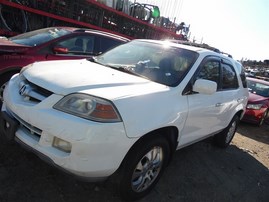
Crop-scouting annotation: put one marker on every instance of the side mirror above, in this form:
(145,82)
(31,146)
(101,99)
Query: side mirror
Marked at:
(205,86)
(60,50)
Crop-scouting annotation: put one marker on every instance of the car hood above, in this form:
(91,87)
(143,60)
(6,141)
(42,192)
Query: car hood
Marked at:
(70,76)
(7,46)
(256,98)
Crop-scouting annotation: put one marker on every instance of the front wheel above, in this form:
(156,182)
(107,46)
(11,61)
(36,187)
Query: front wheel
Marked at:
(143,167)
(3,82)
(224,138)
(2,88)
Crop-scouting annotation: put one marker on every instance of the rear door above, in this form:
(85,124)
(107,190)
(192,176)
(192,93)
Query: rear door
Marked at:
(231,94)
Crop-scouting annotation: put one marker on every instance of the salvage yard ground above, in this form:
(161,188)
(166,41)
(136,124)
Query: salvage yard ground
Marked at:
(200,172)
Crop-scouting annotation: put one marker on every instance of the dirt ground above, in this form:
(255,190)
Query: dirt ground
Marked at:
(200,172)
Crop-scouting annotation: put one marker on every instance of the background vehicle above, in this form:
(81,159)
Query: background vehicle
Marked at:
(122,17)
(54,43)
(124,113)
(258,102)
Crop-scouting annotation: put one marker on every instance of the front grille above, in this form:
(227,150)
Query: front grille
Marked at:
(33,92)
(40,90)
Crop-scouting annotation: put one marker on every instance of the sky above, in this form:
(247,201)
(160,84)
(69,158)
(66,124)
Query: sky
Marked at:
(237,27)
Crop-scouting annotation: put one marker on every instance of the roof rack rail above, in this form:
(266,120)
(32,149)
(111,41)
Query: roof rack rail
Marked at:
(206,46)
(228,55)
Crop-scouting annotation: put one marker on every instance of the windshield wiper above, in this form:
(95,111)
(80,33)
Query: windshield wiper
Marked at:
(91,59)
(125,68)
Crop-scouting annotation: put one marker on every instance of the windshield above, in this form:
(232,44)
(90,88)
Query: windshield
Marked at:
(157,62)
(258,88)
(38,37)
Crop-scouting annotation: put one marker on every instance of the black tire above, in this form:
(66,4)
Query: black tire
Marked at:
(224,138)
(3,80)
(152,156)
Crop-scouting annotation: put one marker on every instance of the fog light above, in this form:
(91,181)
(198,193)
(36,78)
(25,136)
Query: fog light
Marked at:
(62,144)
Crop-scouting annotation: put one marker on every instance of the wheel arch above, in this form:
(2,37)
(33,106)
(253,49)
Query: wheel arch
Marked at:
(5,75)
(170,133)
(10,71)
(240,114)
(121,178)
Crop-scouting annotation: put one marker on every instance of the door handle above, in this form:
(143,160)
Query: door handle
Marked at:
(219,104)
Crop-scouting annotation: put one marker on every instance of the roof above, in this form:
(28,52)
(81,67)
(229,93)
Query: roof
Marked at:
(102,33)
(76,29)
(204,46)
(258,80)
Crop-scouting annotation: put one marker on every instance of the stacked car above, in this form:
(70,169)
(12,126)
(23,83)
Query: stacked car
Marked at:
(53,43)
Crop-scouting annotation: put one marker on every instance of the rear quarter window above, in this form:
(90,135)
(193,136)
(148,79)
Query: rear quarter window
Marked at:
(242,74)
(229,78)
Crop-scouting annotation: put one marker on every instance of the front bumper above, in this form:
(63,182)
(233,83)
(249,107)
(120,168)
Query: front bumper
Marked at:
(254,116)
(97,148)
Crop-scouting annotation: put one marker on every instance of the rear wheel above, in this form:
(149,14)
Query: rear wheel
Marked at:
(142,168)
(224,138)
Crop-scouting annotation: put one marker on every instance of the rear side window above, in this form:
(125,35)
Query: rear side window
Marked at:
(242,74)
(243,78)
(107,43)
(229,79)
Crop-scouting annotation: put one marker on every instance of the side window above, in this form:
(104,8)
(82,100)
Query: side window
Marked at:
(107,43)
(79,45)
(210,71)
(74,45)
(229,79)
(242,74)
(89,49)
(243,78)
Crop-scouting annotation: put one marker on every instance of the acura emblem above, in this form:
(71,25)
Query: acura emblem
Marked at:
(22,90)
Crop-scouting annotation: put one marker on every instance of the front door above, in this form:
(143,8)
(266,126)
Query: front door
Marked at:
(204,110)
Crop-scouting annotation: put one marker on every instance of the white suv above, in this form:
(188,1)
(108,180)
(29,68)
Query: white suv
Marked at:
(125,112)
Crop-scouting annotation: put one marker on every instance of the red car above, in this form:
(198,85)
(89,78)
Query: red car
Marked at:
(258,101)
(54,43)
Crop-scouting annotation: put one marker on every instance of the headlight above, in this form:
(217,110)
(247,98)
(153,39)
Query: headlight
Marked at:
(88,107)
(254,106)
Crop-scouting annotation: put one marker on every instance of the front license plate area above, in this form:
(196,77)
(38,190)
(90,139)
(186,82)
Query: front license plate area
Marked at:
(8,126)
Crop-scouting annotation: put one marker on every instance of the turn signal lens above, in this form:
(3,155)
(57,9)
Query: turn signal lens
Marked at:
(62,145)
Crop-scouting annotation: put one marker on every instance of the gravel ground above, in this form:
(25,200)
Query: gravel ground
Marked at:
(200,172)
